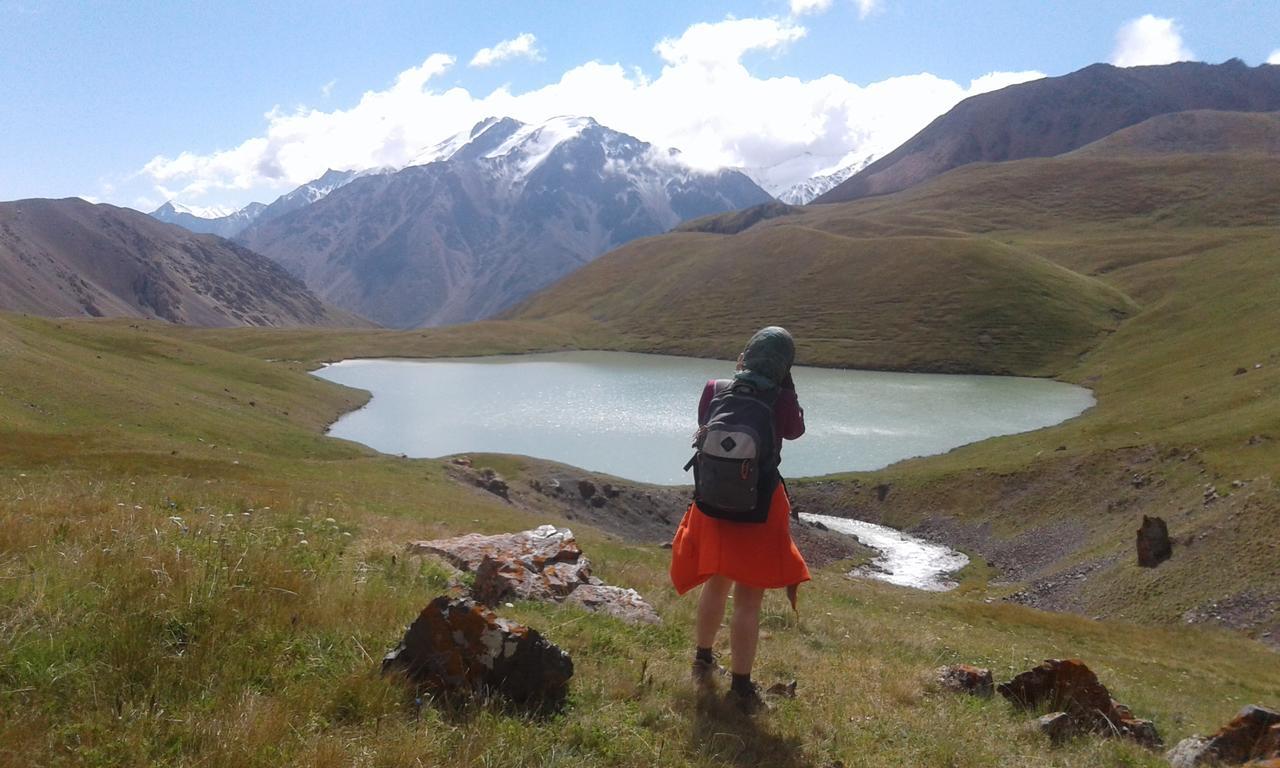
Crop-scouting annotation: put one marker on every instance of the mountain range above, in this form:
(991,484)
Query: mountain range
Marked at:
(69,257)
(488,217)
(1048,117)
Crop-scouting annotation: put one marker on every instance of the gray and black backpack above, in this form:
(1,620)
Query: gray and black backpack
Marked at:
(735,468)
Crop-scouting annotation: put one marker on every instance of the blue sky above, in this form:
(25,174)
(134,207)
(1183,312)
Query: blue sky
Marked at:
(93,93)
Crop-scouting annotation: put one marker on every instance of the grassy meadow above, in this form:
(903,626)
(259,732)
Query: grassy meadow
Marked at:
(192,575)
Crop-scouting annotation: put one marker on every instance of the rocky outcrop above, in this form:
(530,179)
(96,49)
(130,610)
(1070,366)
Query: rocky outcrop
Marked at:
(457,646)
(619,602)
(1070,687)
(965,678)
(543,564)
(1252,738)
(540,564)
(1154,546)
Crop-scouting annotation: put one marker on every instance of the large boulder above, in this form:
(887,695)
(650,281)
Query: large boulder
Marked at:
(1252,738)
(1068,685)
(458,646)
(1154,546)
(540,564)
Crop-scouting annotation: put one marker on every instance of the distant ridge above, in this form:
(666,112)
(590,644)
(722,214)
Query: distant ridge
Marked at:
(68,257)
(1197,132)
(1055,115)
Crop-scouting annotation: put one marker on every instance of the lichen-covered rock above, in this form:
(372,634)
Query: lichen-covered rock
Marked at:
(1252,738)
(619,602)
(458,646)
(541,564)
(965,678)
(1190,752)
(1068,685)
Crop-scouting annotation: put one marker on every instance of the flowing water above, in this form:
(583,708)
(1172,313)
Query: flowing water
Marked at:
(904,559)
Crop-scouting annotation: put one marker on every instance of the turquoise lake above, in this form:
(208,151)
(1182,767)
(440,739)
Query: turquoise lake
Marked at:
(632,415)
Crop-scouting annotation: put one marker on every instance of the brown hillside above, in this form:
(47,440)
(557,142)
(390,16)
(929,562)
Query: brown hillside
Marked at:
(1055,115)
(1196,132)
(66,258)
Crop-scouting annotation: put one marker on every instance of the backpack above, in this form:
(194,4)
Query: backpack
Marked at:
(735,468)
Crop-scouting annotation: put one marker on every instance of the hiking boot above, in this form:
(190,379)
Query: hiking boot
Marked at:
(705,672)
(748,702)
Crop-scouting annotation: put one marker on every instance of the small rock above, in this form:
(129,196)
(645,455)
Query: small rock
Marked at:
(965,678)
(1190,752)
(610,491)
(461,461)
(665,545)
(457,646)
(621,603)
(783,690)
(1058,726)
(1154,546)
(597,501)
(586,488)
(1241,371)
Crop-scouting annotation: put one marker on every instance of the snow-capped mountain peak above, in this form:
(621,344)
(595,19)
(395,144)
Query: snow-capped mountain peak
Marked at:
(521,147)
(200,212)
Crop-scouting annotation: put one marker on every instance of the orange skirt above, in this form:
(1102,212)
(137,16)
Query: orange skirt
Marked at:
(755,554)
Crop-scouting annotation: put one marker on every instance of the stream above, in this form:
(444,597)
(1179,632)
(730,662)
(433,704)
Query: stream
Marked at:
(904,559)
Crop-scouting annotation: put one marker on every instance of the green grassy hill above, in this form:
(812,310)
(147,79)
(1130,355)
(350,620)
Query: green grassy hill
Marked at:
(192,575)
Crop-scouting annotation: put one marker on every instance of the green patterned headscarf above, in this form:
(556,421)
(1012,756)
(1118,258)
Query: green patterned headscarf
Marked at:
(767,358)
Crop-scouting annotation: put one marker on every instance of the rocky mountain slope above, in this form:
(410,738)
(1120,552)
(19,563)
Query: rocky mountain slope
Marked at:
(69,257)
(1054,115)
(488,217)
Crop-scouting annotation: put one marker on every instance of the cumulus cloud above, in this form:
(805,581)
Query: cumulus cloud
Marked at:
(704,101)
(1274,58)
(1149,40)
(868,7)
(801,7)
(524,45)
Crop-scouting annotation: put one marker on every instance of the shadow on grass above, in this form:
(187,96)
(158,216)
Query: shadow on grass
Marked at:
(720,732)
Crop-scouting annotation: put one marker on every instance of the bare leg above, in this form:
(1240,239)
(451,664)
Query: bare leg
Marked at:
(711,610)
(744,628)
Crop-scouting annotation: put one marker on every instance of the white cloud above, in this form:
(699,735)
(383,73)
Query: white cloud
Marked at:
(523,45)
(1274,58)
(868,7)
(801,7)
(704,101)
(1149,40)
(327,89)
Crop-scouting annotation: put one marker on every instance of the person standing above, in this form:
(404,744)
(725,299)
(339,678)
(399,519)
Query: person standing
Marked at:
(733,539)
